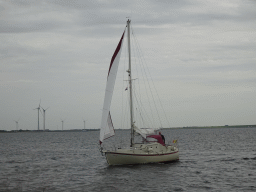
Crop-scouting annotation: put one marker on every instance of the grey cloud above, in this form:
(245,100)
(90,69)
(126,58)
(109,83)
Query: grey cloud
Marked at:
(59,51)
(27,27)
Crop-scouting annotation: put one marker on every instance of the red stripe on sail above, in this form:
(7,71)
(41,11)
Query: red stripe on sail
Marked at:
(116,52)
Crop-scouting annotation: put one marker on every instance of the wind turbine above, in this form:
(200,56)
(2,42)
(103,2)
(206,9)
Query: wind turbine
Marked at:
(38,108)
(62,121)
(17,124)
(84,123)
(44,115)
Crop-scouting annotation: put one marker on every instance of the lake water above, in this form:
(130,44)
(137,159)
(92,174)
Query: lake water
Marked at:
(210,160)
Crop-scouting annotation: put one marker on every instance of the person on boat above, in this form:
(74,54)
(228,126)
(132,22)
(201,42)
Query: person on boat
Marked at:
(162,136)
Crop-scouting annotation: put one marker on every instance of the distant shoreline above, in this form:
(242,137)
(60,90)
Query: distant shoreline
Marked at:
(220,127)
(85,130)
(36,131)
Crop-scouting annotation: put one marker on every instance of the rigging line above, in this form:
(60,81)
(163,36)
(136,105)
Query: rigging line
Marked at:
(140,52)
(140,113)
(138,109)
(144,111)
(159,99)
(126,106)
(150,89)
(144,76)
(157,95)
(127,111)
(124,64)
(139,101)
(137,92)
(146,80)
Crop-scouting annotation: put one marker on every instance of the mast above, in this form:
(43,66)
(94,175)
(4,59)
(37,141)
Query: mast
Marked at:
(38,117)
(44,119)
(130,83)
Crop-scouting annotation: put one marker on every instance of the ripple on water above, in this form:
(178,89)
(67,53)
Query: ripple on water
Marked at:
(210,160)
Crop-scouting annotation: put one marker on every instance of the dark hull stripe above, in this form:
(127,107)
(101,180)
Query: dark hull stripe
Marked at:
(115,153)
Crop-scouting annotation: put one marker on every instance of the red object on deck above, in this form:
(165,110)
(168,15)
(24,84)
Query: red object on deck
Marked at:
(158,138)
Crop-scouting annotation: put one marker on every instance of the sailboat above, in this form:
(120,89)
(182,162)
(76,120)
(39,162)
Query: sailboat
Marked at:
(152,149)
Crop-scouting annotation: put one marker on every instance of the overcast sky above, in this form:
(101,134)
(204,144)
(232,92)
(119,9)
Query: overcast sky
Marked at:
(200,52)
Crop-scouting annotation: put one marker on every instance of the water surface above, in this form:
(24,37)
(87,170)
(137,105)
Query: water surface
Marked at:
(210,160)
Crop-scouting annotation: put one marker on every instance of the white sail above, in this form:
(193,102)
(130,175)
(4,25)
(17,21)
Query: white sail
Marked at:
(107,128)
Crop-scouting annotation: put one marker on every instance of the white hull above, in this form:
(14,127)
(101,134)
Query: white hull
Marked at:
(142,154)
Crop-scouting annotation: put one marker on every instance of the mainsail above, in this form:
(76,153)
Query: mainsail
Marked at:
(107,128)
